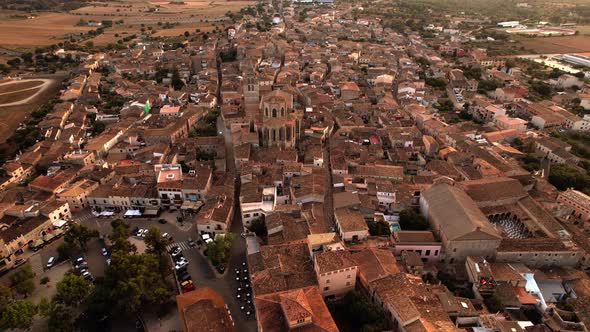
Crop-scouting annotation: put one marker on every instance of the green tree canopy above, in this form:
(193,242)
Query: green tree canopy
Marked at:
(22,280)
(120,237)
(411,220)
(80,235)
(156,244)
(218,250)
(259,227)
(72,290)
(18,315)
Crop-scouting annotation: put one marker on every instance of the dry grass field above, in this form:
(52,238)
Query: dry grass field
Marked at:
(51,28)
(549,45)
(45,29)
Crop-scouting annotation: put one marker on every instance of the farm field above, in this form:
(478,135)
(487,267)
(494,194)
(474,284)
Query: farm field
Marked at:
(45,29)
(568,44)
(23,34)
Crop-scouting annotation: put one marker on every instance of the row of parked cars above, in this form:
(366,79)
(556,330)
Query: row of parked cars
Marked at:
(81,268)
(180,266)
(142,232)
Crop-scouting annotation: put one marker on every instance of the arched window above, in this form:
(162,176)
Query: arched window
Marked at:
(266,112)
(282,111)
(274,112)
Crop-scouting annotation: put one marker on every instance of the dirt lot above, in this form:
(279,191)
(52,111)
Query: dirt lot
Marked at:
(4,89)
(568,44)
(11,116)
(17,95)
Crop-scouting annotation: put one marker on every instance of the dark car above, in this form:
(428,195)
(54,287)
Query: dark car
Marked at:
(185,277)
(183,274)
(162,221)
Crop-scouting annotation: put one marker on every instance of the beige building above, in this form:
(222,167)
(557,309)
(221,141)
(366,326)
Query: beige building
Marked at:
(77,194)
(462,228)
(336,272)
(577,201)
(351,225)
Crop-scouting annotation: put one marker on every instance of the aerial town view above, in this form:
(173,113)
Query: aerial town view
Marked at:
(295,165)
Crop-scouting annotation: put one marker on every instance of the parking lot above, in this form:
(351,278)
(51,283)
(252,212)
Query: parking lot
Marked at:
(198,268)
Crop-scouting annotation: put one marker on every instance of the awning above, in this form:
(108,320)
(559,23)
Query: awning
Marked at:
(150,212)
(190,205)
(59,223)
(132,213)
(48,237)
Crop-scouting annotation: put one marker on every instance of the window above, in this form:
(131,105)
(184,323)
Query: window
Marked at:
(326,288)
(427,252)
(327,281)
(301,320)
(348,276)
(348,283)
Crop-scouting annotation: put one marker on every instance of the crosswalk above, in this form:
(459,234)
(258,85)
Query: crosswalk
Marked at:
(83,217)
(182,245)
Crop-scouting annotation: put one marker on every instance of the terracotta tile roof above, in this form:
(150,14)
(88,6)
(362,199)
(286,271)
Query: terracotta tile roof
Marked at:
(329,261)
(203,310)
(274,309)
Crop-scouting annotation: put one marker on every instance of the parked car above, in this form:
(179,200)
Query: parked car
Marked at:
(191,243)
(176,251)
(184,277)
(104,252)
(188,288)
(19,262)
(50,262)
(81,265)
(162,221)
(180,265)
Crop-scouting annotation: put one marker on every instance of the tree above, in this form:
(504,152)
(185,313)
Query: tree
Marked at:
(156,244)
(541,88)
(119,237)
(6,296)
(60,318)
(22,280)
(66,250)
(359,312)
(258,226)
(18,315)
(563,176)
(132,283)
(379,228)
(177,83)
(445,106)
(80,234)
(72,290)
(218,250)
(411,220)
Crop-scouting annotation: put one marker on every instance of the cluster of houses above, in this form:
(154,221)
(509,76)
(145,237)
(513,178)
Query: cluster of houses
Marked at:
(332,132)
